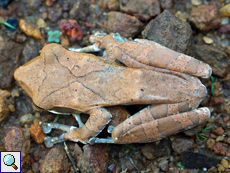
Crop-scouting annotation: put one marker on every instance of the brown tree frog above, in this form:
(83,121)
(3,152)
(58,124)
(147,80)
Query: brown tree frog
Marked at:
(129,72)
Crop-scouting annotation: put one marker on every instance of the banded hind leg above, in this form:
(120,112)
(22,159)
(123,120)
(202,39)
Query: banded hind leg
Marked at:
(156,122)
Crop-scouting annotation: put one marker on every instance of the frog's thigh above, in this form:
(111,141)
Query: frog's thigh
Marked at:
(99,118)
(160,128)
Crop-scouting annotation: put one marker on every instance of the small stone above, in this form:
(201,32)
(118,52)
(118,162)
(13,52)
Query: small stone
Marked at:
(54,13)
(26,118)
(221,168)
(207,40)
(50,3)
(113,5)
(166,4)
(227,108)
(225,11)
(20,38)
(4,110)
(36,132)
(224,163)
(164,164)
(72,29)
(9,60)
(210,143)
(219,138)
(181,145)
(169,31)
(5,94)
(205,17)
(18,139)
(41,22)
(11,8)
(57,160)
(219,148)
(141,9)
(219,131)
(196,2)
(30,29)
(126,25)
(34,4)
(224,21)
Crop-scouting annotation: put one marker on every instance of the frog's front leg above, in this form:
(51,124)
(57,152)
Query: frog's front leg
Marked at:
(99,118)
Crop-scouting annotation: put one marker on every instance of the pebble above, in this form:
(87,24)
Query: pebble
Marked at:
(196,2)
(41,23)
(181,145)
(207,40)
(4,110)
(210,143)
(5,94)
(113,5)
(225,11)
(227,108)
(36,132)
(30,29)
(219,138)
(26,118)
(221,168)
(224,163)
(219,131)
(224,20)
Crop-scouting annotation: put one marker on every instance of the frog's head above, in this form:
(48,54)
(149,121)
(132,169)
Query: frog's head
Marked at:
(29,76)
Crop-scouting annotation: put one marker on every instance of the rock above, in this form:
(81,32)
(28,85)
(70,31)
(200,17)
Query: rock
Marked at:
(113,5)
(54,13)
(205,17)
(30,29)
(207,40)
(72,29)
(196,2)
(219,131)
(142,9)
(9,61)
(26,118)
(36,132)
(126,25)
(30,51)
(34,4)
(192,160)
(64,41)
(5,94)
(219,148)
(18,139)
(20,38)
(166,4)
(80,10)
(225,11)
(221,168)
(224,28)
(217,59)
(210,143)
(216,101)
(164,164)
(41,23)
(11,8)
(55,161)
(181,145)
(224,163)
(4,110)
(93,159)
(153,150)
(169,31)
(219,138)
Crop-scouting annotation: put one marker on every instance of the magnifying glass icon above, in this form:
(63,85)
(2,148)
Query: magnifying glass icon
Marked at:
(9,160)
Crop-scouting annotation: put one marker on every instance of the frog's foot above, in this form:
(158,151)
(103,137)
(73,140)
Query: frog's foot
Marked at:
(99,118)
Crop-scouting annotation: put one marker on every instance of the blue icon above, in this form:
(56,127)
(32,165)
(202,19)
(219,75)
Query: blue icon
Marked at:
(9,160)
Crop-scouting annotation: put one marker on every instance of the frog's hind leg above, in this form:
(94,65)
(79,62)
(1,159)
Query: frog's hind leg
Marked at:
(156,122)
(99,118)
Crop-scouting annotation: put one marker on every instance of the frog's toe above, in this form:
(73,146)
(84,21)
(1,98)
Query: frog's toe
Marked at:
(110,129)
(50,141)
(46,128)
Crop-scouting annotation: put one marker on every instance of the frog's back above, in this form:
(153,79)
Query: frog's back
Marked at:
(78,81)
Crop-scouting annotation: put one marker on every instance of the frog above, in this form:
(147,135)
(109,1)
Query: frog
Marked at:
(128,72)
